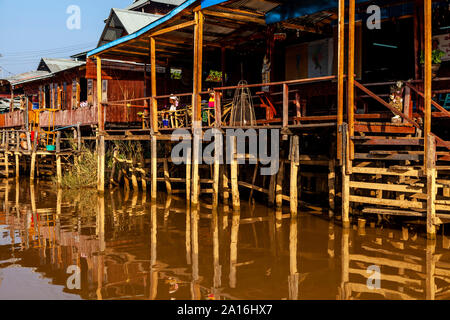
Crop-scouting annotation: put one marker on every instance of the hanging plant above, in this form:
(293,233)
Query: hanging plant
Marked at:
(436,57)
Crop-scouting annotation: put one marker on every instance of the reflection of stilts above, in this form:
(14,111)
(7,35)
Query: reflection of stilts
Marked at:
(153,253)
(100,229)
(195,288)
(345,264)
(217,266)
(331,245)
(293,276)
(233,247)
(430,288)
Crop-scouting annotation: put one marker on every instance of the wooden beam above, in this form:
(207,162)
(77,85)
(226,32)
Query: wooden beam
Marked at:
(292,26)
(341,53)
(173,28)
(154,110)
(99,95)
(234,16)
(241,11)
(427,70)
(351,77)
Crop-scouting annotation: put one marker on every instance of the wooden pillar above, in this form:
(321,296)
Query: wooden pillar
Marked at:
(279,185)
(188,174)
(17,166)
(225,188)
(196,104)
(99,96)
(58,169)
(33,165)
(427,69)
(101,163)
(154,102)
(340,70)
(295,155)
(234,175)
(285,108)
(293,274)
(167,177)
(331,187)
(154,167)
(431,186)
(351,79)
(345,179)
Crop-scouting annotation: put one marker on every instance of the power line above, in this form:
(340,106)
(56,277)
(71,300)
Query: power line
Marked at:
(82,45)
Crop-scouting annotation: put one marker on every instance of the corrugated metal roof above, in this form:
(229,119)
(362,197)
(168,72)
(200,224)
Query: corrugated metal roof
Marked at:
(55,65)
(27,76)
(139,3)
(122,21)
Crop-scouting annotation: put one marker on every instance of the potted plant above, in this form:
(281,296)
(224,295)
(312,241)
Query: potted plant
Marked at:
(436,60)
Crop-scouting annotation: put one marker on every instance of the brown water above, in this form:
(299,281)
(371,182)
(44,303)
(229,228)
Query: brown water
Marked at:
(127,248)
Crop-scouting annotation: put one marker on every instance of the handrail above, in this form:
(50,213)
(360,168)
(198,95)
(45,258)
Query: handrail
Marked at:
(289,82)
(387,105)
(434,103)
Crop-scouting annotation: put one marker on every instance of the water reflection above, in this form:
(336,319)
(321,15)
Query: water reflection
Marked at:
(128,248)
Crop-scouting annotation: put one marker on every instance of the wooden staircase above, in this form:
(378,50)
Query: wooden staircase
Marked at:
(387,172)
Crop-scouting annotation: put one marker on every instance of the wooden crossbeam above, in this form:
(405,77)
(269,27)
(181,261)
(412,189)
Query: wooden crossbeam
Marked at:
(288,25)
(234,16)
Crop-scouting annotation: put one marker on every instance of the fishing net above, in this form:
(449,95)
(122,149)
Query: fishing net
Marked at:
(242,113)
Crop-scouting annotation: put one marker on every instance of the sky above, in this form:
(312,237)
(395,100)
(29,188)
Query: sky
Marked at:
(30,30)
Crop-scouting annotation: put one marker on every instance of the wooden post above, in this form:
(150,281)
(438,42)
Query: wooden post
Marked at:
(340,69)
(295,155)
(225,188)
(17,166)
(218,109)
(58,169)
(345,179)
(431,186)
(154,102)
(331,187)
(167,177)
(293,274)
(101,163)
(33,165)
(99,96)
(234,175)
(427,68)
(285,108)
(154,165)
(351,79)
(216,177)
(113,169)
(188,174)
(279,185)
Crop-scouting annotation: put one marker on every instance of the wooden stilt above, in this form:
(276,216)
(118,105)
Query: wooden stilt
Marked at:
(271,195)
(331,187)
(293,274)
(101,164)
(17,166)
(167,177)
(234,176)
(295,155)
(188,174)
(431,186)
(345,180)
(113,169)
(134,180)
(216,180)
(58,169)
(195,166)
(33,165)
(279,186)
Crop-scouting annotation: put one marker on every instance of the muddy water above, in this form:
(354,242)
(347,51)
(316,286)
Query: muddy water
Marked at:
(76,245)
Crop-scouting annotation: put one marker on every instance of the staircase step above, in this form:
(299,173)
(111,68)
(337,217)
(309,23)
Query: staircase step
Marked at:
(382,141)
(384,128)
